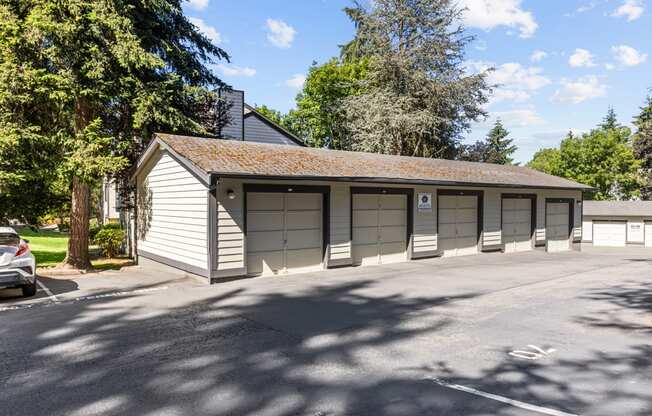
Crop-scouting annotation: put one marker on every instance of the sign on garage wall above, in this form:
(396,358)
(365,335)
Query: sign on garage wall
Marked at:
(425,202)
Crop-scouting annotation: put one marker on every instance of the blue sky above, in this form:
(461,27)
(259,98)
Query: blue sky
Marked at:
(560,63)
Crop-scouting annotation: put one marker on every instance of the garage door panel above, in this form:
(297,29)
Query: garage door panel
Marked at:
(447,202)
(522,229)
(392,202)
(521,216)
(557,227)
(297,239)
(467,230)
(467,215)
(270,262)
(392,218)
(447,230)
(308,259)
(447,216)
(264,241)
(264,221)
(392,234)
(365,235)
(264,201)
(361,201)
(365,218)
(299,220)
(467,202)
(296,202)
(466,246)
(364,255)
(392,252)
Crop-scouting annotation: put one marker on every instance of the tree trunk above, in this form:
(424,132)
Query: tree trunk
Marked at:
(78,257)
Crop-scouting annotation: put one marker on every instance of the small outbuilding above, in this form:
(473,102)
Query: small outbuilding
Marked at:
(226,208)
(617,223)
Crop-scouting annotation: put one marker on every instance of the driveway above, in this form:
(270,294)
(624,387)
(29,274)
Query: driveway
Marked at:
(518,334)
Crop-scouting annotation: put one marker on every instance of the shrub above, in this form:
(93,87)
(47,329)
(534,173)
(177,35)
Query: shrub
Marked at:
(109,239)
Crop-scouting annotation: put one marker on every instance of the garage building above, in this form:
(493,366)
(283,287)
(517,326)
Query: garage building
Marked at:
(617,223)
(226,208)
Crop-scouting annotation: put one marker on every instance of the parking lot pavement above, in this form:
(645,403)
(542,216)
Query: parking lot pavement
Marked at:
(523,334)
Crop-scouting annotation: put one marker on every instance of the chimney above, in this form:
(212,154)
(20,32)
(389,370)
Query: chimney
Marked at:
(234,129)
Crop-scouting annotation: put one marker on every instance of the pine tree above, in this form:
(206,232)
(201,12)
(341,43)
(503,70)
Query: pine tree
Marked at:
(643,145)
(500,147)
(96,77)
(610,121)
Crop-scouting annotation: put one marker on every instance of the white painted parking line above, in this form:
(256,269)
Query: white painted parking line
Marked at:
(59,301)
(506,400)
(51,295)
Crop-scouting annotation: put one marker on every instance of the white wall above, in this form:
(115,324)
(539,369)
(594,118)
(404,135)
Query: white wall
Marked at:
(635,227)
(172,213)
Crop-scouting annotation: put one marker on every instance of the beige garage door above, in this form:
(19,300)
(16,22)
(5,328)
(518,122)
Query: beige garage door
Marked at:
(517,224)
(458,225)
(557,235)
(379,228)
(284,232)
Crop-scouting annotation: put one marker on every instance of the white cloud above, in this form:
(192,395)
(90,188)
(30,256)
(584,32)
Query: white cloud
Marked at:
(581,58)
(236,71)
(628,56)
(209,31)
(514,81)
(198,4)
(296,81)
(538,55)
(632,9)
(580,90)
(519,118)
(280,33)
(489,14)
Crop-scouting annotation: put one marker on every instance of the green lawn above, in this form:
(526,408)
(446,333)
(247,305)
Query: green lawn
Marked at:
(49,248)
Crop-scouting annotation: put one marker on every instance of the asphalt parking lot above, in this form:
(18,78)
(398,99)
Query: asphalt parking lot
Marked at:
(520,334)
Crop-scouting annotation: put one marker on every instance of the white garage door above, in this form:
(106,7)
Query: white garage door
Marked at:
(379,228)
(284,232)
(557,234)
(610,233)
(517,224)
(458,225)
(648,234)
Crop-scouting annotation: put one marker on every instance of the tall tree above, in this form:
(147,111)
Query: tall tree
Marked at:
(495,148)
(610,121)
(643,145)
(110,72)
(417,98)
(319,117)
(602,158)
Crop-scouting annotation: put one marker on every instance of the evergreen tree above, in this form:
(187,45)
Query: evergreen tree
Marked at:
(610,121)
(417,98)
(495,148)
(94,77)
(643,145)
(500,147)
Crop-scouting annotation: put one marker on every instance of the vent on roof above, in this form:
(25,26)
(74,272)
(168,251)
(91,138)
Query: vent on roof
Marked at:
(234,129)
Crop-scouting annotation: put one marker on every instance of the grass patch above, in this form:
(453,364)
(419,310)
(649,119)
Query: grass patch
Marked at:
(49,248)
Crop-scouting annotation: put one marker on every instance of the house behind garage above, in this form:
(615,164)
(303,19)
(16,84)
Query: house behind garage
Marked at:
(617,223)
(225,208)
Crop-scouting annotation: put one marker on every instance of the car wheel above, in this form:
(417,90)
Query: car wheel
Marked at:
(29,290)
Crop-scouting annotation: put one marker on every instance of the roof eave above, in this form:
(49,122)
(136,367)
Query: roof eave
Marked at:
(402,181)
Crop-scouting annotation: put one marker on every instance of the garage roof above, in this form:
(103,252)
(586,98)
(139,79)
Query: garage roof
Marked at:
(230,158)
(618,208)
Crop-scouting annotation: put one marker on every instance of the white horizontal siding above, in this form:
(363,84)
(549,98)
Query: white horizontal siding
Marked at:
(230,227)
(173,213)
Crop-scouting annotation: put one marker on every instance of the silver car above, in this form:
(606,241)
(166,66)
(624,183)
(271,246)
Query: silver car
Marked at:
(17,263)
